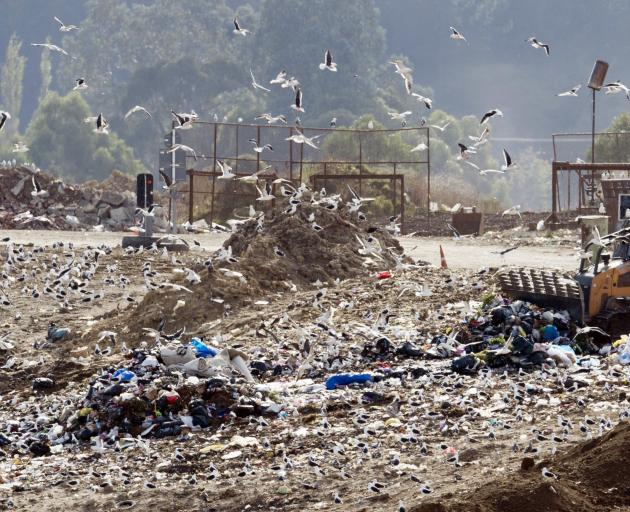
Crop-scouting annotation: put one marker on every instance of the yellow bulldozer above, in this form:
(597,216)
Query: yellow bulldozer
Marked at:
(598,295)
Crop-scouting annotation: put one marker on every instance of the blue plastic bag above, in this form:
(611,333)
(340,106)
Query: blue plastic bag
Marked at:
(343,379)
(124,375)
(202,349)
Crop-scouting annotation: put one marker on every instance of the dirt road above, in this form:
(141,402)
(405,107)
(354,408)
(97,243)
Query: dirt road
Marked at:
(464,254)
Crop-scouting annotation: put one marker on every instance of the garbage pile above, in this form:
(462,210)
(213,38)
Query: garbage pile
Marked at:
(32,199)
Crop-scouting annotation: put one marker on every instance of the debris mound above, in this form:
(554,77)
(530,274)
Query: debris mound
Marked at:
(590,477)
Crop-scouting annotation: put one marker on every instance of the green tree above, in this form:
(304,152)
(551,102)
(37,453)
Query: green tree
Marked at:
(60,140)
(614,148)
(11,83)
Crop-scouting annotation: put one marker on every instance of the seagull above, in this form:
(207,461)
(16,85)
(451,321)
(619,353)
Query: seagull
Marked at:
(300,138)
(402,117)
(51,47)
(4,116)
(19,147)
(464,151)
(280,78)
(548,474)
(255,84)
(615,87)
(101,125)
(488,171)
(333,122)
(64,27)
(182,147)
(513,210)
(489,114)
(265,194)
(137,108)
(37,189)
(537,44)
(185,120)
(291,82)
(572,92)
(456,36)
(420,147)
(168,182)
(80,84)
(238,29)
(260,149)
(226,171)
(428,102)
(272,119)
(328,62)
(441,128)
(404,72)
(298,101)
(507,159)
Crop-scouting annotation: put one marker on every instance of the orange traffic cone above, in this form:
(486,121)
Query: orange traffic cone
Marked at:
(443,258)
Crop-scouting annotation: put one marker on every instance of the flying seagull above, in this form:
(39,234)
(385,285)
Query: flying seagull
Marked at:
(420,147)
(272,119)
(226,171)
(428,102)
(168,182)
(441,128)
(64,27)
(255,84)
(404,72)
(507,159)
(402,117)
(298,101)
(572,92)
(37,189)
(19,147)
(182,147)
(280,78)
(537,44)
(238,29)
(4,116)
(489,114)
(185,120)
(260,149)
(328,62)
(615,87)
(464,151)
(101,125)
(456,36)
(51,47)
(80,84)
(137,108)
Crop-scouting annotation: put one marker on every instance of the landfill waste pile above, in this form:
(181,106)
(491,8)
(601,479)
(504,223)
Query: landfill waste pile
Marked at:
(307,364)
(32,199)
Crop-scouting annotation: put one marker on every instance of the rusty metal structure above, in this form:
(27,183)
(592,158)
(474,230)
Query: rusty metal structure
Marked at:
(582,181)
(353,156)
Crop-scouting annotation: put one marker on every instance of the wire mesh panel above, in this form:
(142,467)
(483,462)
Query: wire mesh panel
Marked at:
(369,160)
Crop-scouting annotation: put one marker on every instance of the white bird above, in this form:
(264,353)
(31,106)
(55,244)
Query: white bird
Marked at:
(260,149)
(507,161)
(226,171)
(300,138)
(280,78)
(404,72)
(272,119)
(402,117)
(137,108)
(4,117)
(37,189)
(420,147)
(548,474)
(441,128)
(535,43)
(51,47)
(489,114)
(428,102)
(456,36)
(572,92)
(185,121)
(168,181)
(540,225)
(80,84)
(297,106)
(182,147)
(255,84)
(64,27)
(488,171)
(20,147)
(513,210)
(266,193)
(291,82)
(328,62)
(238,29)
(370,125)
(615,87)
(101,125)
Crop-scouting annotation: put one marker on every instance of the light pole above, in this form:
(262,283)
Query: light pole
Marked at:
(595,82)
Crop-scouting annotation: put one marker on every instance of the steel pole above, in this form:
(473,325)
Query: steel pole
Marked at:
(173,198)
(592,193)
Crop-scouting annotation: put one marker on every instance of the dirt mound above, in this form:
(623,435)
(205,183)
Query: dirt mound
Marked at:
(591,477)
(304,257)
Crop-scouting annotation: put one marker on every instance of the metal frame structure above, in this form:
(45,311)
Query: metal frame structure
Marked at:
(292,167)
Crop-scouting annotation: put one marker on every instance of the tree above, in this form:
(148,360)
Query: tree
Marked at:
(60,140)
(45,70)
(613,148)
(11,84)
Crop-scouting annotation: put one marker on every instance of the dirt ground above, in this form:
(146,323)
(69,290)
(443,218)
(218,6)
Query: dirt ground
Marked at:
(328,443)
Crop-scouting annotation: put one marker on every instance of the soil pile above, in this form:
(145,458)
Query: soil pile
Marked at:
(591,477)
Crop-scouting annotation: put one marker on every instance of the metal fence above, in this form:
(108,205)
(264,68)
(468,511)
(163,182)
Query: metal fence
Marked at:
(374,161)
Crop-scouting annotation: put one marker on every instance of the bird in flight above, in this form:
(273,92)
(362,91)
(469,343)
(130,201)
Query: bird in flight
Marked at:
(51,47)
(615,87)
(428,102)
(404,72)
(255,84)
(441,128)
(489,114)
(297,106)
(38,191)
(272,119)
(4,117)
(507,161)
(328,62)
(80,84)
(572,92)
(182,147)
(456,36)
(402,117)
(260,149)
(135,109)
(65,28)
(101,125)
(535,43)
(280,78)
(238,29)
